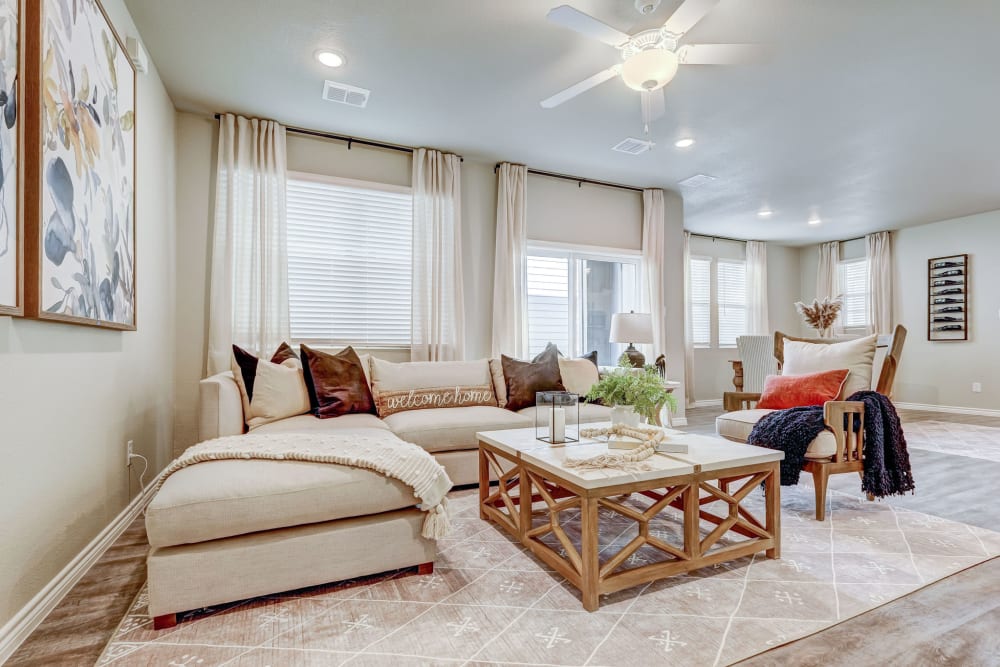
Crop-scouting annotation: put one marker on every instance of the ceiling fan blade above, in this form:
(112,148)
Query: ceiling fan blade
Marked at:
(654,105)
(578,88)
(720,54)
(688,14)
(585,24)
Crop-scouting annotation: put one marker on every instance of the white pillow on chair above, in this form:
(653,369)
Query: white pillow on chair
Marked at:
(857,356)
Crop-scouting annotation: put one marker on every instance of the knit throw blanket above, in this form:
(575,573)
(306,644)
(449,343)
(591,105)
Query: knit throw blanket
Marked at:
(887,461)
(379,451)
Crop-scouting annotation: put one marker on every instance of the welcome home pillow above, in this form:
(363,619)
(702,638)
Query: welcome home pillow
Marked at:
(271,390)
(418,385)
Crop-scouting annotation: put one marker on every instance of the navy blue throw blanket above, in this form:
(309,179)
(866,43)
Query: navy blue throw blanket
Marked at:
(887,461)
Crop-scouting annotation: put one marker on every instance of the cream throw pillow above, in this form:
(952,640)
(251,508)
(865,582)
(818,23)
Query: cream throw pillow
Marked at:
(857,356)
(578,375)
(278,391)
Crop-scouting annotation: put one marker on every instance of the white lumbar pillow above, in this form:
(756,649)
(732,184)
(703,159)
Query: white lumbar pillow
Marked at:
(857,356)
(578,375)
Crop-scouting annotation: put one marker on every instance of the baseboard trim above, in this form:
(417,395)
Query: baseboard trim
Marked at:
(25,621)
(950,409)
(679,421)
(710,403)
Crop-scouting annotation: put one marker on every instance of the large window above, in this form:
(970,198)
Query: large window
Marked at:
(349,262)
(572,296)
(853,277)
(717,303)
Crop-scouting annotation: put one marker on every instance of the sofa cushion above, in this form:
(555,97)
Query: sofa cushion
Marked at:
(216,499)
(449,429)
(857,356)
(311,423)
(736,426)
(589,413)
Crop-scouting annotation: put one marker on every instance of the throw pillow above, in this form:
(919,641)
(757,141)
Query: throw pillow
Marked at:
(271,390)
(794,391)
(579,375)
(857,356)
(337,383)
(524,378)
(390,402)
(499,384)
(417,385)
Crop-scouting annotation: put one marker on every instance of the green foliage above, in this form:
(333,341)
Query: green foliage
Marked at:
(642,388)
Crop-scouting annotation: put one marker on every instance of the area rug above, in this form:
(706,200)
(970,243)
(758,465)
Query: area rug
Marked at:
(489,602)
(979,442)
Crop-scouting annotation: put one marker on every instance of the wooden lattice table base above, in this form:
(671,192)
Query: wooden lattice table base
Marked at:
(691,500)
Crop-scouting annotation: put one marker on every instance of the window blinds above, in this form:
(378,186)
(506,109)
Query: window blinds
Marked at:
(853,276)
(731,280)
(701,301)
(349,264)
(548,302)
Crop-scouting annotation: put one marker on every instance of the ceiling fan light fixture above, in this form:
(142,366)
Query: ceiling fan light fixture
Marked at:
(650,69)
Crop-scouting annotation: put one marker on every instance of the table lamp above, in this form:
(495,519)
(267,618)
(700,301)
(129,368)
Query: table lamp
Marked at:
(631,328)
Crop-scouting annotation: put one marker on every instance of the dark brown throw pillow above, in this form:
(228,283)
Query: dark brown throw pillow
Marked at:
(551,347)
(336,383)
(524,378)
(591,357)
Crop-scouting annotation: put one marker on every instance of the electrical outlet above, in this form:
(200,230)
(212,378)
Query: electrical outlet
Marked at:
(129,453)
(977,388)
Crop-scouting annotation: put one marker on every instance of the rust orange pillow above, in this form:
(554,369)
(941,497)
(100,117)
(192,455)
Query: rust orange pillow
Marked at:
(794,391)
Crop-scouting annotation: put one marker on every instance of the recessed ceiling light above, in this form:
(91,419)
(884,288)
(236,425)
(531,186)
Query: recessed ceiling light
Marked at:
(765,213)
(330,58)
(684,143)
(815,219)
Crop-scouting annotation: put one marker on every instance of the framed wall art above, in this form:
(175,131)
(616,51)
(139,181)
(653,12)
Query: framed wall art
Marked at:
(11,157)
(80,193)
(948,298)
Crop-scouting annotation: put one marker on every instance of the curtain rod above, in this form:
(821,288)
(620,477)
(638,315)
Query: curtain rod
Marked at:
(717,237)
(579,180)
(348,139)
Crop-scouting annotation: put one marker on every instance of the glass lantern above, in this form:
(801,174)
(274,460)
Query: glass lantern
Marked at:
(557,417)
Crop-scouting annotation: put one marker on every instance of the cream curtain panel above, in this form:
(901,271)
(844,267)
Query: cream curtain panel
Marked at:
(880,271)
(437,329)
(827,279)
(757,317)
(249,281)
(688,335)
(510,289)
(654,253)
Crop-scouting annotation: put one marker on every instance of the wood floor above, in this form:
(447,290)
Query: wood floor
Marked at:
(951,622)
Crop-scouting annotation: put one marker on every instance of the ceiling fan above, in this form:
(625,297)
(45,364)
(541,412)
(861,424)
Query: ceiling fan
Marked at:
(650,58)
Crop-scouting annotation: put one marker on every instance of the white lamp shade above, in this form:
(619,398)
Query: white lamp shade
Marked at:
(650,69)
(631,328)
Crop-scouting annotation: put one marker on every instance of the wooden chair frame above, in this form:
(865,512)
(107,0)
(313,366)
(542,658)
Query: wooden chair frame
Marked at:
(837,414)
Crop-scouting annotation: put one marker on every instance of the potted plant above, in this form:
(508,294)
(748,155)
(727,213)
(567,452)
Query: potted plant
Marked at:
(633,393)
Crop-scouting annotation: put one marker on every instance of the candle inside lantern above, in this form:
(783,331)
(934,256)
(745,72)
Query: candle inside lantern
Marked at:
(557,429)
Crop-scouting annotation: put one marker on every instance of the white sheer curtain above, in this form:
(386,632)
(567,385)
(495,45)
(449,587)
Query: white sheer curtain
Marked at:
(654,252)
(880,273)
(510,290)
(757,317)
(249,282)
(688,335)
(437,329)
(827,280)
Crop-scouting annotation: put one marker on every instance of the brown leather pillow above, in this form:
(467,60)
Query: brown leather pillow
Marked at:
(524,378)
(336,383)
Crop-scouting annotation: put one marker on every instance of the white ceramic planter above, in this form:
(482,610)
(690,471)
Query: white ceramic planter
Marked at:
(625,415)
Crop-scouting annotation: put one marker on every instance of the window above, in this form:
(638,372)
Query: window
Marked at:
(572,296)
(853,277)
(717,302)
(349,262)
(701,301)
(731,297)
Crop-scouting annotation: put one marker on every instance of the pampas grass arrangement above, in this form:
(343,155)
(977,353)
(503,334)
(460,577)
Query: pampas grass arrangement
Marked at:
(821,314)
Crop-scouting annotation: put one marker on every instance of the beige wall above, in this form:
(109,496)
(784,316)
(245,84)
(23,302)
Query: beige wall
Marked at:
(562,211)
(70,396)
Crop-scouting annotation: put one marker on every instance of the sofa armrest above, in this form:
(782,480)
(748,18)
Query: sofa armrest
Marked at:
(733,401)
(840,417)
(220,407)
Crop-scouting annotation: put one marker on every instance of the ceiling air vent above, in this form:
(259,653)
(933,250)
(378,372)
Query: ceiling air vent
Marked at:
(696,181)
(345,94)
(633,146)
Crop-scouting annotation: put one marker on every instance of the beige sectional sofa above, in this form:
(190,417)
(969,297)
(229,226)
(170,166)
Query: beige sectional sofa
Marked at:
(227,530)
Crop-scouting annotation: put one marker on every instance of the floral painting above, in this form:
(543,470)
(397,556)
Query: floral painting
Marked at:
(87,254)
(10,156)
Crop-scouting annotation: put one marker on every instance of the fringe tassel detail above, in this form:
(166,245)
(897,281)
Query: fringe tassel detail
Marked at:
(437,522)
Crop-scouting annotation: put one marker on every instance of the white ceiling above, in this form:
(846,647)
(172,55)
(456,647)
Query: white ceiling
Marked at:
(877,113)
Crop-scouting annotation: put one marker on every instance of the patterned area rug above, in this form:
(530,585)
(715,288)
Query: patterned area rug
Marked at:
(978,442)
(490,602)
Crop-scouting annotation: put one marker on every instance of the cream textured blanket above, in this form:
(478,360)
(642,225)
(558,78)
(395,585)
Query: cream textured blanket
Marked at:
(380,451)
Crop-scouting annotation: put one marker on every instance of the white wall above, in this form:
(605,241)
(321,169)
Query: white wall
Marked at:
(562,211)
(70,396)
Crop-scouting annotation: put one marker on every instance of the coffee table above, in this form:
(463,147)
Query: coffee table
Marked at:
(714,473)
